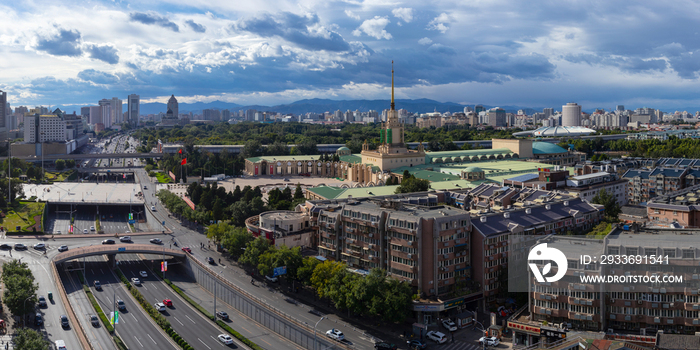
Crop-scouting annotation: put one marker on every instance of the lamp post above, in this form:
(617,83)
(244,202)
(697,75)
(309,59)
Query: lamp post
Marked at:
(24,311)
(322,318)
(483,329)
(42,155)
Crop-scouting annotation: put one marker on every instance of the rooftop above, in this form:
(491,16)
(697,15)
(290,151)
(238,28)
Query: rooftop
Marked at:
(546,148)
(85,192)
(549,131)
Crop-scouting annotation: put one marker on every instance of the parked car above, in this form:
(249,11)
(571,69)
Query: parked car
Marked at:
(42,301)
(449,325)
(272,279)
(120,304)
(63,248)
(85,230)
(125,239)
(38,319)
(98,286)
(136,281)
(94,320)
(92,228)
(222,315)
(384,346)
(226,339)
(159,306)
(335,334)
(64,321)
(489,341)
(437,337)
(416,344)
(108,241)
(156,241)
(168,302)
(143,274)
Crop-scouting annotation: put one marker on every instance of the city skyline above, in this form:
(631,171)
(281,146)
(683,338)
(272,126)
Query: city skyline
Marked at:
(277,52)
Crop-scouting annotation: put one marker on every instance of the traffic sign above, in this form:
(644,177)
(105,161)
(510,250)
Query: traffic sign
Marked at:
(132,221)
(278,271)
(122,249)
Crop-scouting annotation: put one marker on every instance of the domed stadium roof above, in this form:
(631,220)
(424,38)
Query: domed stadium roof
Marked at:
(473,169)
(343,149)
(552,131)
(546,148)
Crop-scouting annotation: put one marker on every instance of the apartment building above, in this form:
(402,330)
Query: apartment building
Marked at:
(645,184)
(678,208)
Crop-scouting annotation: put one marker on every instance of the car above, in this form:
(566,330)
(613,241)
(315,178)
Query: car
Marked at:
(153,208)
(94,321)
(38,319)
(42,301)
(135,281)
(85,230)
(92,228)
(159,306)
(489,341)
(40,246)
(120,304)
(335,334)
(449,325)
(416,344)
(156,241)
(64,321)
(5,246)
(226,339)
(145,187)
(143,274)
(285,179)
(98,286)
(20,246)
(63,248)
(108,241)
(272,279)
(168,302)
(437,337)
(210,260)
(60,345)
(58,232)
(384,346)
(125,239)
(187,249)
(222,315)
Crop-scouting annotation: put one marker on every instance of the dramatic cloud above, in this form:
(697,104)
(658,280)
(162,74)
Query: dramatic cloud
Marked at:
(425,41)
(147,18)
(374,27)
(305,31)
(440,23)
(196,26)
(406,14)
(93,76)
(106,53)
(60,42)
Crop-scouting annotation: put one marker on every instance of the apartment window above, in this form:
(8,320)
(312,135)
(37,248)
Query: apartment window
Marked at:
(631,251)
(688,254)
(613,250)
(671,253)
(573,264)
(675,213)
(650,251)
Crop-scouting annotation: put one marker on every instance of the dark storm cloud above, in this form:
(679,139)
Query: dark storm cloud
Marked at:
(105,53)
(63,42)
(149,18)
(97,77)
(196,26)
(627,64)
(295,29)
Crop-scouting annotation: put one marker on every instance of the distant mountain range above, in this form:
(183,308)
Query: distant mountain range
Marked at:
(314,105)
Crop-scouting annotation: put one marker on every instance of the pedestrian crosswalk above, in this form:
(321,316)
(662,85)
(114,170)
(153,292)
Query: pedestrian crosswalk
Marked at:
(6,342)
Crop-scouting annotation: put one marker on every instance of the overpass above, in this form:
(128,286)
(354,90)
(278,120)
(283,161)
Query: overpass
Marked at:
(52,157)
(113,249)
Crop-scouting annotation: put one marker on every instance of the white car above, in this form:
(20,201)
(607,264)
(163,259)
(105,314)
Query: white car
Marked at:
(63,248)
(335,334)
(226,339)
(272,279)
(449,325)
(153,208)
(159,306)
(125,239)
(437,337)
(143,274)
(489,341)
(40,246)
(85,230)
(92,228)
(136,281)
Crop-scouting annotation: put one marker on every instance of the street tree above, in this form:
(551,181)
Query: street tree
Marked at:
(29,339)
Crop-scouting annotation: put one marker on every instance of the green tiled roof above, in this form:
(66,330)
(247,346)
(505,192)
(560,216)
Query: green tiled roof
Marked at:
(433,176)
(546,148)
(466,153)
(327,192)
(352,159)
(363,192)
(284,158)
(451,185)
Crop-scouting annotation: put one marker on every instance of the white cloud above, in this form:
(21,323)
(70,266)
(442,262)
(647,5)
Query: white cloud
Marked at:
(352,15)
(440,23)
(404,13)
(425,41)
(374,27)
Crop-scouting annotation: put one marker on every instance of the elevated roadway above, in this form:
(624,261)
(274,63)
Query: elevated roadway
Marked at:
(114,249)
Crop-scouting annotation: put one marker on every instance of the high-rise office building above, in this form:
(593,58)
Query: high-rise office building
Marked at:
(620,108)
(479,108)
(548,112)
(250,115)
(3,109)
(571,115)
(497,117)
(44,128)
(133,109)
(172,111)
(225,115)
(117,111)
(105,113)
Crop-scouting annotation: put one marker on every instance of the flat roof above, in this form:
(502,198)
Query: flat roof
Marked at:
(85,192)
(590,176)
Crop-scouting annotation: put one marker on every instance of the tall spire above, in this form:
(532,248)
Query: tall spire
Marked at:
(392,85)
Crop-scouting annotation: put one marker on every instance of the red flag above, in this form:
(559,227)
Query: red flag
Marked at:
(184,161)
(180,151)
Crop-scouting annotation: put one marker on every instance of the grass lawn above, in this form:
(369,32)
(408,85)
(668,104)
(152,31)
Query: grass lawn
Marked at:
(59,176)
(164,179)
(23,215)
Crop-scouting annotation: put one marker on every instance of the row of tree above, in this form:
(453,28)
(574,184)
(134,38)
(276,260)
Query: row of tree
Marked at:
(373,295)
(210,205)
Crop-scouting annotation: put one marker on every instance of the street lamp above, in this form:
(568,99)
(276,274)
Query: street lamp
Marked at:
(42,155)
(24,310)
(322,318)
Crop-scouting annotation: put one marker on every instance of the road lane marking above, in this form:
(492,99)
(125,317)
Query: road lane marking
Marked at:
(134,317)
(188,317)
(137,339)
(154,342)
(200,340)
(178,321)
(218,341)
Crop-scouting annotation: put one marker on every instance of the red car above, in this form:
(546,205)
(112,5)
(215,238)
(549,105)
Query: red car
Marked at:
(187,249)
(168,302)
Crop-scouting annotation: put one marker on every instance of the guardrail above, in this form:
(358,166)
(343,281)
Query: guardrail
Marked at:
(261,302)
(114,249)
(82,336)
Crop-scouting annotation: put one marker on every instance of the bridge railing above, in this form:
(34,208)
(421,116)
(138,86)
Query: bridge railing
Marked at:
(114,249)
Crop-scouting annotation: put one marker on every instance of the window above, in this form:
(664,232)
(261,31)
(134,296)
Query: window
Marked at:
(631,251)
(688,254)
(650,251)
(671,253)
(613,250)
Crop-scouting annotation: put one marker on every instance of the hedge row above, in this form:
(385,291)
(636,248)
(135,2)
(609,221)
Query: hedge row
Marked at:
(206,313)
(155,314)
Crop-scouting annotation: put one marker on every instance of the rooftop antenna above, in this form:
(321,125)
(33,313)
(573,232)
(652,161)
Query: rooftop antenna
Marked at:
(392,85)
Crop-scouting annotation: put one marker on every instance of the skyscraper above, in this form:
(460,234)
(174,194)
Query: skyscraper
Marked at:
(105,113)
(3,109)
(133,109)
(172,111)
(548,112)
(497,117)
(117,111)
(571,115)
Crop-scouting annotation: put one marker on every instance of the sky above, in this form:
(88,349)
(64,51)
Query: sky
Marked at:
(503,52)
